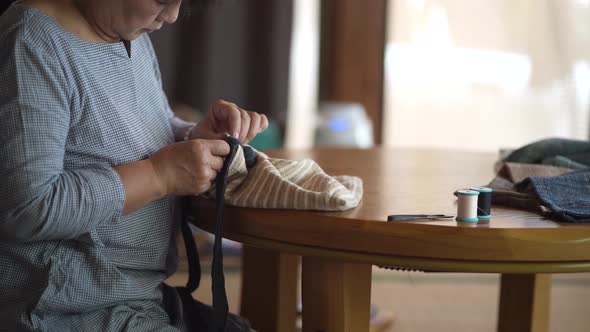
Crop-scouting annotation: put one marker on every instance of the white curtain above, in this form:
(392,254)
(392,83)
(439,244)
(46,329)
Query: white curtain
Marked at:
(486,74)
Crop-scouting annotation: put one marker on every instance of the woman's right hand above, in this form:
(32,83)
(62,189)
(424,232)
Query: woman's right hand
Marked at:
(189,168)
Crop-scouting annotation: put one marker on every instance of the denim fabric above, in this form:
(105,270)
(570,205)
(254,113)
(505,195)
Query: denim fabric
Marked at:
(510,175)
(567,195)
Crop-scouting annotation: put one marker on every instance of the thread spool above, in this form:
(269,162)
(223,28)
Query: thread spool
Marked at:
(484,203)
(467,205)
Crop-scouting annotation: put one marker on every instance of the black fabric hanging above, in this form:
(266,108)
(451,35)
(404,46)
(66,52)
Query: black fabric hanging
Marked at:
(220,307)
(218,315)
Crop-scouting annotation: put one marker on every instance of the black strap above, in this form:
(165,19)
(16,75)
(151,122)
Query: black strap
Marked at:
(192,254)
(193,318)
(220,306)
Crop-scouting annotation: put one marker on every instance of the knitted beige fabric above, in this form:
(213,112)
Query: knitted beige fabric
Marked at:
(287,184)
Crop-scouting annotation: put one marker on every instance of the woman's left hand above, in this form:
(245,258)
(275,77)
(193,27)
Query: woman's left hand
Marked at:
(225,117)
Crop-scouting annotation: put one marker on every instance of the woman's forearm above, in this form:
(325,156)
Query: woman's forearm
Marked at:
(139,178)
(141,183)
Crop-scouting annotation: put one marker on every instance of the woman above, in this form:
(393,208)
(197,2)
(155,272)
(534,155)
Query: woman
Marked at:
(90,158)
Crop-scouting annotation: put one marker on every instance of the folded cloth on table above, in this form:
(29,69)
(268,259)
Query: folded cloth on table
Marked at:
(570,153)
(542,177)
(510,175)
(567,196)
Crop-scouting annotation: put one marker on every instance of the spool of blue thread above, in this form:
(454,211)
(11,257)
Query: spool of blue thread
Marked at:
(484,203)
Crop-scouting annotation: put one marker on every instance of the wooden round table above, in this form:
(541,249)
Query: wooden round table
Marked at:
(337,249)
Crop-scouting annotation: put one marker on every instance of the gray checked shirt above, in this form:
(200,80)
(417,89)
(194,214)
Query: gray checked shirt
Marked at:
(70,110)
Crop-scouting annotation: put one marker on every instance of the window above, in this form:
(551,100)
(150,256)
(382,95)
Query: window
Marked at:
(486,74)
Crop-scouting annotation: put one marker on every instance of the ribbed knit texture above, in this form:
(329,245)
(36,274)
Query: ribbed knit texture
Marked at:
(289,184)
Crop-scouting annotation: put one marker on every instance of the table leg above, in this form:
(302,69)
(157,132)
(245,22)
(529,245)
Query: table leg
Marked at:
(269,289)
(336,295)
(524,302)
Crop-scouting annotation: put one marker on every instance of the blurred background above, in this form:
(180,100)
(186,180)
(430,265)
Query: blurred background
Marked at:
(474,75)
(502,72)
(478,75)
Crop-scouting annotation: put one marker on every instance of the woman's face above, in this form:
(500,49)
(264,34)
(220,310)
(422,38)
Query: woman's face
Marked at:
(128,19)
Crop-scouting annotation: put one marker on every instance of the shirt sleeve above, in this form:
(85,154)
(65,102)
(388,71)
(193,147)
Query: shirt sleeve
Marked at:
(39,199)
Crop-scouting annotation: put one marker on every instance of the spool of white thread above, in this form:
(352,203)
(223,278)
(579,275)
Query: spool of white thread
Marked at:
(467,205)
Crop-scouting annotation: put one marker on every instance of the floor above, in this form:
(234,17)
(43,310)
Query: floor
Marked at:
(416,301)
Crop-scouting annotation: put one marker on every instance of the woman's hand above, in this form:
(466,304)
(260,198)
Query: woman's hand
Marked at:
(189,167)
(225,117)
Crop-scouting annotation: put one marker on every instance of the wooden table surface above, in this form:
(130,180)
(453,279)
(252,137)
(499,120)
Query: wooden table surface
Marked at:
(517,243)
